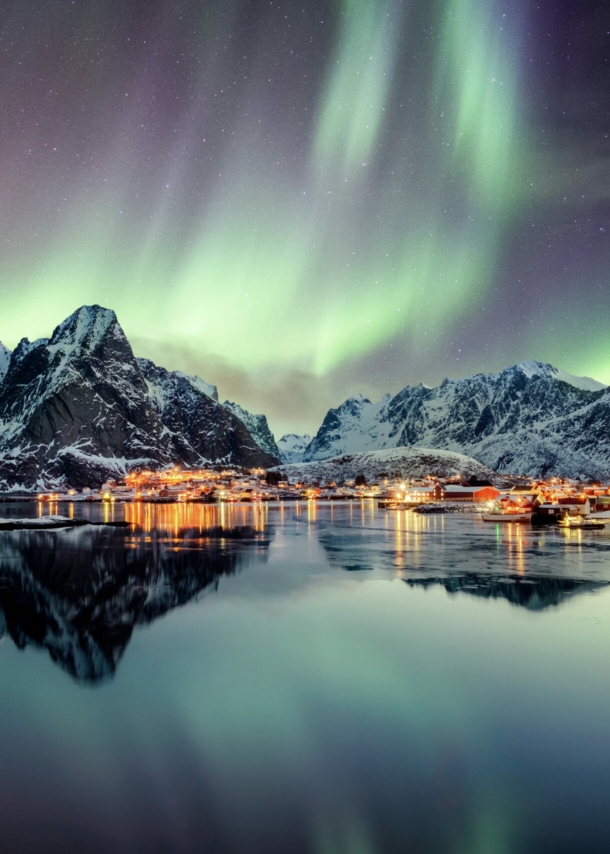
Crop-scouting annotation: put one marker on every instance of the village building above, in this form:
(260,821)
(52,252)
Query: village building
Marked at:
(419,494)
(576,505)
(470,493)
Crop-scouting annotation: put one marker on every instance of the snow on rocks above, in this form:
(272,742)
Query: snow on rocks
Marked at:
(257,425)
(292,447)
(530,419)
(79,407)
(5,358)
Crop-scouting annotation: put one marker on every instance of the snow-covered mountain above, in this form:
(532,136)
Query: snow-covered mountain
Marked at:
(531,369)
(79,407)
(397,462)
(258,427)
(529,419)
(199,427)
(291,447)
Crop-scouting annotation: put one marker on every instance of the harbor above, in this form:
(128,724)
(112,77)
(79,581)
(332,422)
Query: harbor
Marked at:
(555,501)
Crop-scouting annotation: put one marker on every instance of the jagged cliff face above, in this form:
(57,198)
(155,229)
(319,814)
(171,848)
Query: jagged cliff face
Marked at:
(530,419)
(78,408)
(257,426)
(198,427)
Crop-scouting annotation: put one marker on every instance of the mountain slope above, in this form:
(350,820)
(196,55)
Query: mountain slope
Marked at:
(529,419)
(258,427)
(396,462)
(198,427)
(78,408)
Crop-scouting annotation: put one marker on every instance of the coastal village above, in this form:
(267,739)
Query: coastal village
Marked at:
(517,498)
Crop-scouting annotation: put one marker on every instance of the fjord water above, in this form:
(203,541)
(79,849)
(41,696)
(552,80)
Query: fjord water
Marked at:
(303,678)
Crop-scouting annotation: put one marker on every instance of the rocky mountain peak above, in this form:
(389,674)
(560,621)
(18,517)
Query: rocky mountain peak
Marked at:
(356,400)
(79,408)
(25,347)
(86,329)
(532,368)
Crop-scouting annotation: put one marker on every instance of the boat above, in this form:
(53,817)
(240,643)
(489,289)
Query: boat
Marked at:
(579,523)
(507,514)
(390,504)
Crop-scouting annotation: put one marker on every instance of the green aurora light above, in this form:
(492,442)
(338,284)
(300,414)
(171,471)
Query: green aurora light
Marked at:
(371,208)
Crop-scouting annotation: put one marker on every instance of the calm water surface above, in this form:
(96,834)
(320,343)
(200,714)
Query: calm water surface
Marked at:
(302,678)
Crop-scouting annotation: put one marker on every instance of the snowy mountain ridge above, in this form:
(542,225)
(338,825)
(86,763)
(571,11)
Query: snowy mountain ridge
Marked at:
(529,419)
(79,407)
(5,358)
(531,369)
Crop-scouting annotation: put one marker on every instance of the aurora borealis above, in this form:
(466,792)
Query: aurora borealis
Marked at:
(303,200)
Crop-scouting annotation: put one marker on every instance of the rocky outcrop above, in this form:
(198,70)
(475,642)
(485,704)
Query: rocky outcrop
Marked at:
(79,407)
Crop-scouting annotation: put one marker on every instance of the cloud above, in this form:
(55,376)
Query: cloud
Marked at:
(293,400)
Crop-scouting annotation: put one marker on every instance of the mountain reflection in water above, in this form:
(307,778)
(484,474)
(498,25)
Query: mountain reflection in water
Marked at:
(521,565)
(532,593)
(80,593)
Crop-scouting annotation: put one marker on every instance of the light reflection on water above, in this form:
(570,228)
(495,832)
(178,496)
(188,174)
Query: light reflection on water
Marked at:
(326,679)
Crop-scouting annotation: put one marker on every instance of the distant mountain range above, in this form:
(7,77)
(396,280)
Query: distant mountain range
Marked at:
(530,419)
(292,447)
(79,407)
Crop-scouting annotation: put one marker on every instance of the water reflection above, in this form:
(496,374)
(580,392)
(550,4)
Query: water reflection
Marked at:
(532,593)
(303,707)
(527,567)
(174,518)
(80,593)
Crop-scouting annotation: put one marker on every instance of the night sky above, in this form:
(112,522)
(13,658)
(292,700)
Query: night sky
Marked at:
(301,200)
